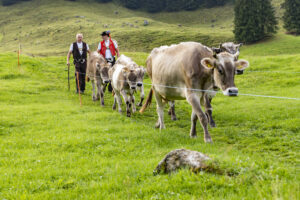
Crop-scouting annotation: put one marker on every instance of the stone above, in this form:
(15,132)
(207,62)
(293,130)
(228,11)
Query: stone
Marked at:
(146,23)
(182,158)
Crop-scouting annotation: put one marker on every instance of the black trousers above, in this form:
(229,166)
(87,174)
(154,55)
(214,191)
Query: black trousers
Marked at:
(81,69)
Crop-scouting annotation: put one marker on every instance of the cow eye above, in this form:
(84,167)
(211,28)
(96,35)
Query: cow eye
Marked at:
(220,71)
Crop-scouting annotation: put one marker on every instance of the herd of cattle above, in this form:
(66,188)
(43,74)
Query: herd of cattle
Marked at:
(186,71)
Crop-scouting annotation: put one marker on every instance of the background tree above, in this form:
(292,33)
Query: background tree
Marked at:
(11,2)
(154,5)
(254,20)
(132,4)
(291,16)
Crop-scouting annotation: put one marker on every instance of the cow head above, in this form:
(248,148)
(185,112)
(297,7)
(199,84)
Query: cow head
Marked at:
(103,68)
(224,69)
(140,72)
(130,77)
(229,47)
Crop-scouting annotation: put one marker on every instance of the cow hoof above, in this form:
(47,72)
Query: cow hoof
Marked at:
(193,136)
(208,140)
(174,118)
(170,112)
(212,124)
(95,98)
(157,125)
(139,104)
(114,107)
(128,115)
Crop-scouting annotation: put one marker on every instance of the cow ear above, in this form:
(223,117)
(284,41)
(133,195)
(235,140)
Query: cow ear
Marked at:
(242,64)
(125,70)
(207,63)
(216,50)
(143,69)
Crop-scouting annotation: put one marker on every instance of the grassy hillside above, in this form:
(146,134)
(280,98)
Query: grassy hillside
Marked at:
(50,27)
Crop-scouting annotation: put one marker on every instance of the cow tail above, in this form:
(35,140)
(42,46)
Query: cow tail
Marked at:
(148,101)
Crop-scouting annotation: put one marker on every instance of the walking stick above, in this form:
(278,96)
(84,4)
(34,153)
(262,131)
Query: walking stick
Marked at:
(69,76)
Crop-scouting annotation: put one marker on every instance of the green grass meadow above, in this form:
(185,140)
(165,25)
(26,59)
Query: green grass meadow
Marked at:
(51,148)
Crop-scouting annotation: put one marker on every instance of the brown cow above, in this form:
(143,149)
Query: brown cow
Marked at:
(188,71)
(97,71)
(229,47)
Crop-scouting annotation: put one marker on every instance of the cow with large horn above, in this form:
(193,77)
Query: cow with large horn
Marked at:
(188,71)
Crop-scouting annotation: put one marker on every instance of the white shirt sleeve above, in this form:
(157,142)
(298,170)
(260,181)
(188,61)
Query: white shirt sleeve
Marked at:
(115,43)
(87,47)
(71,47)
(99,46)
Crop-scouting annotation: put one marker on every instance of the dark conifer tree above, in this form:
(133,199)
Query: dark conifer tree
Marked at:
(154,5)
(291,16)
(254,20)
(132,4)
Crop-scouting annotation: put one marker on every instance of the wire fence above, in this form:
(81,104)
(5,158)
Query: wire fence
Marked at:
(192,89)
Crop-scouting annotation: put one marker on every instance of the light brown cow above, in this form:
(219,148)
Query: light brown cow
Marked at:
(229,47)
(140,72)
(123,81)
(188,71)
(97,71)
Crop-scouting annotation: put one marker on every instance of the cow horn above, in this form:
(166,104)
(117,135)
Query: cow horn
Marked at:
(236,55)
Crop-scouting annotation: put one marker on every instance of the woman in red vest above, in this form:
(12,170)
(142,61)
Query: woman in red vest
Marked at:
(108,48)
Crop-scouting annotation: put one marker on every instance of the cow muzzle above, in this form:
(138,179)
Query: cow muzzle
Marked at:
(139,84)
(133,87)
(106,81)
(232,92)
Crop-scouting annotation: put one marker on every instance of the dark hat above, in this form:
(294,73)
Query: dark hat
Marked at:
(105,33)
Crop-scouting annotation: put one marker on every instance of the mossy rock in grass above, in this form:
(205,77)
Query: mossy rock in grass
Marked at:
(194,161)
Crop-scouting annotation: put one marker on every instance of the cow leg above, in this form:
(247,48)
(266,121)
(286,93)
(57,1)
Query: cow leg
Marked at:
(160,111)
(194,100)
(172,110)
(99,91)
(119,101)
(94,96)
(194,118)
(128,103)
(132,99)
(114,105)
(142,95)
(208,110)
